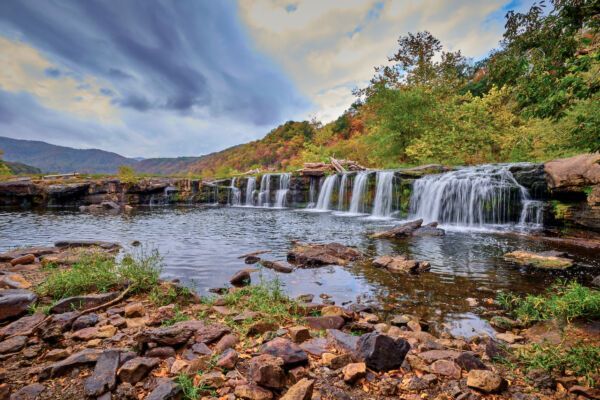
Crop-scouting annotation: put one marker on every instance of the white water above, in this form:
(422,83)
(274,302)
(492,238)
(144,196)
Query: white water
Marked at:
(284,186)
(358,193)
(250,188)
(473,197)
(265,191)
(382,206)
(235,194)
(324,200)
(311,193)
(342,192)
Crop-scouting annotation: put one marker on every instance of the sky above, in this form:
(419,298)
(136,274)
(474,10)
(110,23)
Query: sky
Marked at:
(152,78)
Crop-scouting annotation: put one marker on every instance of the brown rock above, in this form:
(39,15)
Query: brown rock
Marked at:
(84,357)
(21,326)
(241,278)
(381,352)
(315,255)
(14,281)
(322,323)
(573,173)
(85,321)
(214,379)
(588,392)
(161,352)
(260,327)
(165,390)
(29,392)
(267,370)
(134,310)
(469,361)
(354,372)
(445,368)
(14,302)
(484,380)
(13,344)
(101,332)
(252,392)
(434,355)
(162,314)
(299,334)
(539,260)
(173,335)
(82,302)
(4,391)
(277,266)
(403,230)
(136,369)
(25,259)
(302,390)
(104,377)
(228,359)
(289,352)
(227,342)
(316,346)
(340,361)
(57,354)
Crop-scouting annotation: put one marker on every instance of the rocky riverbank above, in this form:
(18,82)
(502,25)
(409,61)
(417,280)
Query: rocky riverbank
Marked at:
(66,334)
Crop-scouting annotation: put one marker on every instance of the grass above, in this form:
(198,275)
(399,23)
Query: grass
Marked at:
(178,317)
(165,295)
(563,301)
(190,391)
(583,360)
(99,272)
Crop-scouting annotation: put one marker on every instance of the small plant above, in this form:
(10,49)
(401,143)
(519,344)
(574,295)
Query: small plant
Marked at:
(39,309)
(178,317)
(191,391)
(127,174)
(169,294)
(142,271)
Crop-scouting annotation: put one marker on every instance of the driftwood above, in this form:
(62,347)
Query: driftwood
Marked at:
(335,165)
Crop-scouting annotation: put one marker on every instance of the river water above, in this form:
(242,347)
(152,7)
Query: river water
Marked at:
(201,246)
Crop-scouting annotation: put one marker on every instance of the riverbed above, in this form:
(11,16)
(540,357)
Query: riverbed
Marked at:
(201,246)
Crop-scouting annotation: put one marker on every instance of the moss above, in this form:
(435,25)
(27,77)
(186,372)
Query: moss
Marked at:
(559,209)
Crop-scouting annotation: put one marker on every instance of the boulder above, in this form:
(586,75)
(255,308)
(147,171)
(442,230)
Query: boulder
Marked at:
(539,260)
(401,264)
(15,302)
(309,255)
(343,341)
(353,372)
(241,278)
(484,380)
(289,352)
(402,230)
(104,377)
(573,173)
(446,368)
(82,302)
(21,326)
(136,369)
(381,352)
(267,370)
(302,390)
(328,322)
(299,334)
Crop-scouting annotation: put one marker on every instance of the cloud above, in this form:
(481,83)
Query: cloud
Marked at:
(329,46)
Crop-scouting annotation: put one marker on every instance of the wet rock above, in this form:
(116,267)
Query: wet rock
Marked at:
(277,266)
(228,359)
(165,390)
(14,281)
(309,255)
(401,264)
(251,259)
(430,229)
(469,361)
(305,298)
(21,326)
(302,390)
(29,392)
(84,357)
(538,260)
(252,392)
(136,369)
(241,278)
(82,302)
(13,344)
(227,342)
(322,323)
(353,372)
(85,321)
(445,368)
(267,370)
(14,302)
(381,352)
(104,377)
(260,327)
(299,334)
(403,230)
(486,381)
(289,352)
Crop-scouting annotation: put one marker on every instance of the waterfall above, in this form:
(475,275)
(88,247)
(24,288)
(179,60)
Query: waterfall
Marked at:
(382,206)
(342,192)
(265,191)
(325,193)
(216,194)
(532,213)
(284,186)
(235,194)
(473,196)
(250,188)
(358,193)
(311,193)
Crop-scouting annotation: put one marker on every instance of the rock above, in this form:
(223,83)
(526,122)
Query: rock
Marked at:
(210,333)
(445,368)
(340,361)
(302,390)
(596,281)
(309,255)
(401,264)
(434,355)
(87,243)
(171,336)
(381,352)
(241,278)
(213,379)
(571,174)
(136,369)
(544,332)
(228,359)
(201,348)
(82,302)
(342,340)
(354,372)
(178,366)
(26,259)
(509,337)
(503,323)
(267,370)
(260,327)
(322,323)
(84,357)
(469,361)
(36,251)
(252,392)
(161,352)
(21,326)
(538,260)
(251,259)
(15,302)
(277,266)
(134,310)
(85,321)
(305,298)
(429,230)
(299,334)
(14,281)
(403,230)
(541,379)
(104,377)
(484,380)
(4,391)
(29,392)
(289,352)
(93,332)
(227,342)
(53,329)
(57,354)
(590,393)
(162,314)
(13,344)
(165,390)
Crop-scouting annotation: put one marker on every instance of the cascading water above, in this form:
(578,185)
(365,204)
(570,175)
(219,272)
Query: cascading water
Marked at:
(357,202)
(382,206)
(234,194)
(474,196)
(284,186)
(342,192)
(250,189)
(311,193)
(265,191)
(324,200)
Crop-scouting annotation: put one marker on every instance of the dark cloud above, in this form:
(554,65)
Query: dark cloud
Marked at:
(53,72)
(184,56)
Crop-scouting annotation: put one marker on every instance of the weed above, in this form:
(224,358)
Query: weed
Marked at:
(190,391)
(38,308)
(178,317)
(163,296)
(142,271)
